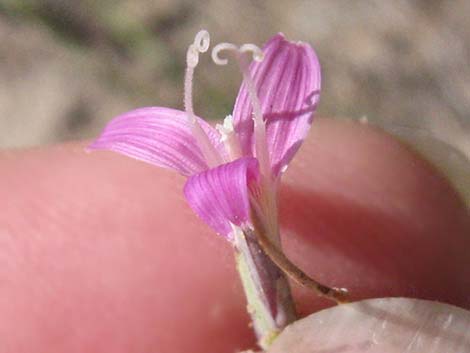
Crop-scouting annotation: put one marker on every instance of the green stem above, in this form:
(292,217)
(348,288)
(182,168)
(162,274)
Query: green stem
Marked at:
(270,303)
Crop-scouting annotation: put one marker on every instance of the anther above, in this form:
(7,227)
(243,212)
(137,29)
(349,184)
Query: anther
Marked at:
(228,137)
(225,129)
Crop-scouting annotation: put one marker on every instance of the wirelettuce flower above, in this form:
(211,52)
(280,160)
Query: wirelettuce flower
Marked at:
(234,169)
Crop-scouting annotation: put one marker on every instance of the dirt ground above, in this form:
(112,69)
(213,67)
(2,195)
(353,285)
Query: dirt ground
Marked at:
(67,67)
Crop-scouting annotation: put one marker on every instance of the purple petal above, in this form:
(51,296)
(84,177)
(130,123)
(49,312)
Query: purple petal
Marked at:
(288,86)
(220,196)
(159,136)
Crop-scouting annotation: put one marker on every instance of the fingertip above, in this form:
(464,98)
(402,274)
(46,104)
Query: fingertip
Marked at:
(361,210)
(379,325)
(103,252)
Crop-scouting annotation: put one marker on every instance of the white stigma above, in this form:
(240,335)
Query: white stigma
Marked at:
(255,51)
(200,45)
(202,41)
(221,47)
(261,147)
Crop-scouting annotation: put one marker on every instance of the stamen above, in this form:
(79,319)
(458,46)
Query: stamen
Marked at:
(229,138)
(226,129)
(200,45)
(261,146)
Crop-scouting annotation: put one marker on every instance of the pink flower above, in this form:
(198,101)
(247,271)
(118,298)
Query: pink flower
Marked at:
(230,169)
(234,169)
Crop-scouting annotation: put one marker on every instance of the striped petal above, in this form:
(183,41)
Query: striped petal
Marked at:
(220,196)
(159,136)
(288,86)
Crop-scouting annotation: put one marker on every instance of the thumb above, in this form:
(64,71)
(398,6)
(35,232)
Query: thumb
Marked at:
(387,325)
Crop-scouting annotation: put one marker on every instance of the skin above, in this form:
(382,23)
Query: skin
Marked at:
(100,253)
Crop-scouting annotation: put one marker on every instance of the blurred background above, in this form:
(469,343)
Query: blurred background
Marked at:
(67,67)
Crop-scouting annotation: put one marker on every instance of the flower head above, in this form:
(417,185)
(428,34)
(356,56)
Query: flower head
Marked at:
(232,170)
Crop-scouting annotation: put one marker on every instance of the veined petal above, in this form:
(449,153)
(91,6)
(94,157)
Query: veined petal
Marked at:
(220,196)
(288,84)
(159,136)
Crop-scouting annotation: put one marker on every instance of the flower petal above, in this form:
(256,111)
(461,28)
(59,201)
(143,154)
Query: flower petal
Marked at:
(220,196)
(159,136)
(288,85)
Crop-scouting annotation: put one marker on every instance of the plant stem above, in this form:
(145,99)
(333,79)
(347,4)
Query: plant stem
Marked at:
(267,290)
